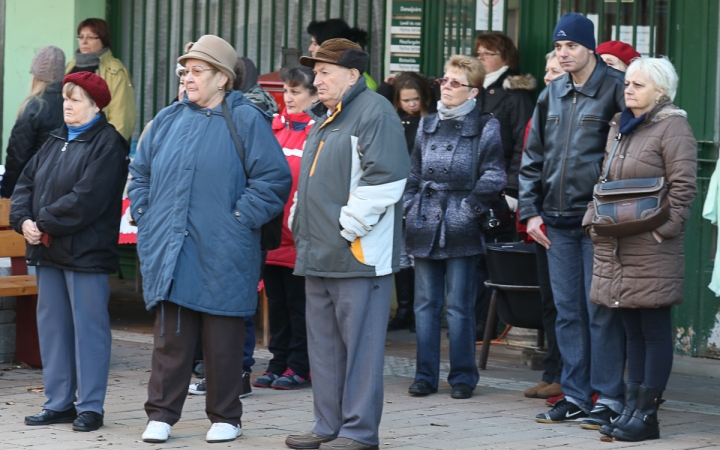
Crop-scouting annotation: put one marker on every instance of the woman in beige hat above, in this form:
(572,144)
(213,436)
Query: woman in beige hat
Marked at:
(199,207)
(39,114)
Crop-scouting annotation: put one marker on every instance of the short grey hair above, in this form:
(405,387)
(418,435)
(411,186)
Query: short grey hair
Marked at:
(550,55)
(660,71)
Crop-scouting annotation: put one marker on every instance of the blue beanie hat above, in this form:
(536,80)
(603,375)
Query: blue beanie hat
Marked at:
(577,28)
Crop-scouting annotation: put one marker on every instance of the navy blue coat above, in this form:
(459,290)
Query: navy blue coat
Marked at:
(198,215)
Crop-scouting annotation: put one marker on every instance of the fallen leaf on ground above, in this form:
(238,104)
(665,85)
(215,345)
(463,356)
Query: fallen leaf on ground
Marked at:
(36,389)
(9,403)
(606,438)
(438,425)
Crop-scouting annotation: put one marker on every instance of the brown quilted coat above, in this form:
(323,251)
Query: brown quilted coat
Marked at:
(638,271)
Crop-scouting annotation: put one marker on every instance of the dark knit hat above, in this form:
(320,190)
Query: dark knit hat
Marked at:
(341,52)
(624,52)
(95,86)
(215,51)
(577,28)
(48,65)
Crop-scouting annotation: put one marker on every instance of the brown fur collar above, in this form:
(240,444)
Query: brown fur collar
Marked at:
(669,111)
(526,82)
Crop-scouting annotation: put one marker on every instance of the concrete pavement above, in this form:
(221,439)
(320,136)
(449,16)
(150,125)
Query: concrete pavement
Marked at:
(497,417)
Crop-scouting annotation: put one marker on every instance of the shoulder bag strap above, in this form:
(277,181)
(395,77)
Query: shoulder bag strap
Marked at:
(239,147)
(618,137)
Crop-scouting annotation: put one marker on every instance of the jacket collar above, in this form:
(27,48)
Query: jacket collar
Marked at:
(319,111)
(470,126)
(284,119)
(87,135)
(591,86)
(234,99)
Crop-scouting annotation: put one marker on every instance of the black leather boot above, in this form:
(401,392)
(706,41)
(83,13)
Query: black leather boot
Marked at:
(405,293)
(643,424)
(631,395)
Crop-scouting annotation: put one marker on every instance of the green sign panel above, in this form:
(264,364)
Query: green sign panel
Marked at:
(404,63)
(405,45)
(407,8)
(405,26)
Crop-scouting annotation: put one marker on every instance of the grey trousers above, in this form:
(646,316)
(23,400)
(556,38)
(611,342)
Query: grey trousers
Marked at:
(74,331)
(346,327)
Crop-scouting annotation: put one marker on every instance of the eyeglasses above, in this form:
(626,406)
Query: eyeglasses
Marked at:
(88,37)
(196,70)
(483,55)
(453,84)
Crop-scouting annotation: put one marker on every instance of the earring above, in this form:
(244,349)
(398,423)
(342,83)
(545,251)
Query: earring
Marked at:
(220,88)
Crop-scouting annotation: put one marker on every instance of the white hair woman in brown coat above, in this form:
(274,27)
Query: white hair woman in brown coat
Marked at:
(642,274)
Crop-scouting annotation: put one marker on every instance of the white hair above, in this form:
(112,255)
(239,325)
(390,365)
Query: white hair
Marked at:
(550,55)
(660,71)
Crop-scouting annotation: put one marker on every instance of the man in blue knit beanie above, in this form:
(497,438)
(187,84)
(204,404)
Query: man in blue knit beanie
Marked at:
(562,163)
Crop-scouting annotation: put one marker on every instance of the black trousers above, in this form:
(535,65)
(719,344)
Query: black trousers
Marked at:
(649,345)
(552,363)
(288,332)
(176,333)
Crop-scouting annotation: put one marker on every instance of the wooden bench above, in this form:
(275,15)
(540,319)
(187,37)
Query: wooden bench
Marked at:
(21,285)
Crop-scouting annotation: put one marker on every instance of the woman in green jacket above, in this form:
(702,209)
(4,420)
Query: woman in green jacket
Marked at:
(94,55)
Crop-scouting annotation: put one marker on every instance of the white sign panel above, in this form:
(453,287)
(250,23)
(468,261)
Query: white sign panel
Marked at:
(643,37)
(482,15)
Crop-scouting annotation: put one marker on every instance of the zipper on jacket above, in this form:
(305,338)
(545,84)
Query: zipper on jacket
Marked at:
(64,146)
(567,145)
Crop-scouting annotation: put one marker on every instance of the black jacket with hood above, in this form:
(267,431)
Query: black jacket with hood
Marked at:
(31,130)
(566,145)
(509,100)
(73,191)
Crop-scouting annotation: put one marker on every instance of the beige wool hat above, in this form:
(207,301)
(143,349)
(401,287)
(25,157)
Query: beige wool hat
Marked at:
(215,51)
(48,65)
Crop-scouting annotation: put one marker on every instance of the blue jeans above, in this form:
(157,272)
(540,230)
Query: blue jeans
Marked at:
(591,337)
(436,280)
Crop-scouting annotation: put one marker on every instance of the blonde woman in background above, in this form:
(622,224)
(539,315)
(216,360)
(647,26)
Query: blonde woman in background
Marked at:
(39,114)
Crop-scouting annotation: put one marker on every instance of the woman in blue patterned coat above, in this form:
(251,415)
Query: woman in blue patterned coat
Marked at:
(457,169)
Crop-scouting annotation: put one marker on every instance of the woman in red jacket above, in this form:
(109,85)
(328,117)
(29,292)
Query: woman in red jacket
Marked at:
(289,368)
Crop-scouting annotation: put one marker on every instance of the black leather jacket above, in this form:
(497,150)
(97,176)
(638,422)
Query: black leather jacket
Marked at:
(566,144)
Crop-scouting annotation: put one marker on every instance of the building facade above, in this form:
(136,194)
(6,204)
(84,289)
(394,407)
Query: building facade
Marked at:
(148,36)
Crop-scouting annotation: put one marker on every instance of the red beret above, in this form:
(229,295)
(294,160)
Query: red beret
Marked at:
(624,52)
(95,86)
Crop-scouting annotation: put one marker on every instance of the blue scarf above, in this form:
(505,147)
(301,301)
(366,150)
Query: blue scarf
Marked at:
(74,132)
(628,122)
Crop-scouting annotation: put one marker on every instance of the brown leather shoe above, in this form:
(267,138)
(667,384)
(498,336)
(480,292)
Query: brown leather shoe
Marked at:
(305,441)
(533,391)
(550,391)
(346,444)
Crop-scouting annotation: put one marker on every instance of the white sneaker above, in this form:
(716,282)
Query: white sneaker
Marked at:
(156,432)
(198,388)
(223,432)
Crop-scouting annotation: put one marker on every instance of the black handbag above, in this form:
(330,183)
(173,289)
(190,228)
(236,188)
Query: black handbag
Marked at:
(271,232)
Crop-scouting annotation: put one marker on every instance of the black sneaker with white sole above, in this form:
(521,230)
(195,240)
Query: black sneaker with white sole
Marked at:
(198,388)
(563,411)
(599,416)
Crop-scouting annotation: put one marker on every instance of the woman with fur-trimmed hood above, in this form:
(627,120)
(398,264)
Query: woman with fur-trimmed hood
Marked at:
(507,95)
(642,275)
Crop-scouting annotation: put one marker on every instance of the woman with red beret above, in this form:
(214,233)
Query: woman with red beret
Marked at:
(67,203)
(617,54)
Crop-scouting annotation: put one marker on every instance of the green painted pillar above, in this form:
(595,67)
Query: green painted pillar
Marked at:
(29,26)
(432,39)
(537,22)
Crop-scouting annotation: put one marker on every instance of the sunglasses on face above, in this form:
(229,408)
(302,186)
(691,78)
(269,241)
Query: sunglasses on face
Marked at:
(453,84)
